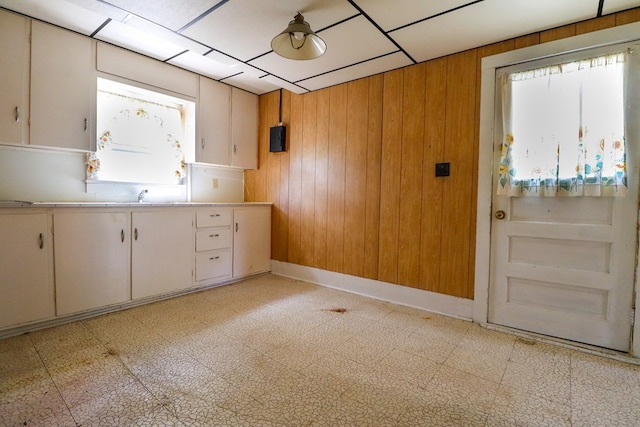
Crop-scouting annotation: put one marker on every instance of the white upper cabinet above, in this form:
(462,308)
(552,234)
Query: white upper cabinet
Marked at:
(228,123)
(14,84)
(63,87)
(244,129)
(214,118)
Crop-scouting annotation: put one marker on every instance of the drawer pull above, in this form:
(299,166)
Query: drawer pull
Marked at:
(214,258)
(214,235)
(214,215)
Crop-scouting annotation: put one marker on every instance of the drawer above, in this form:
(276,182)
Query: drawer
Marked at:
(213,217)
(213,238)
(214,264)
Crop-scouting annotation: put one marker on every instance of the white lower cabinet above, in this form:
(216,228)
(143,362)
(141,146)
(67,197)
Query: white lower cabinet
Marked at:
(161,252)
(214,241)
(96,258)
(92,260)
(26,269)
(251,240)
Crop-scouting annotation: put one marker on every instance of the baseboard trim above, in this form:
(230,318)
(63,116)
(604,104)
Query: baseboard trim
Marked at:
(425,300)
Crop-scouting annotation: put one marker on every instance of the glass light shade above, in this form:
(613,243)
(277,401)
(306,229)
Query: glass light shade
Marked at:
(298,41)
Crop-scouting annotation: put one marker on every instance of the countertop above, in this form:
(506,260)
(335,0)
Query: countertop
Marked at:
(26,204)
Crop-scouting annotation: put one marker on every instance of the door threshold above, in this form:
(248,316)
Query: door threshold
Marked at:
(571,345)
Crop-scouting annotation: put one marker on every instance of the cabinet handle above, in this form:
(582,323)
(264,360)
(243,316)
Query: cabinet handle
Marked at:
(86,124)
(236,227)
(135,234)
(41,241)
(235,148)
(122,236)
(17,114)
(214,215)
(214,258)
(214,235)
(202,143)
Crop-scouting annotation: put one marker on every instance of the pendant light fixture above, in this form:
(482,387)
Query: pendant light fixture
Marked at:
(298,41)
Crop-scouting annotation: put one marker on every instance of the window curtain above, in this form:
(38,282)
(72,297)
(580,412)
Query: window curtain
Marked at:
(563,129)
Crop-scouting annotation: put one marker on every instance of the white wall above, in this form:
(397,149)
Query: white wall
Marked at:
(49,175)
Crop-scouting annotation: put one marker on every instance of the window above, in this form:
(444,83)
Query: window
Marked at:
(143,136)
(564,129)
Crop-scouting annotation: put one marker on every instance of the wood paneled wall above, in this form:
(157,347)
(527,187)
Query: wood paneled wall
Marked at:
(356,191)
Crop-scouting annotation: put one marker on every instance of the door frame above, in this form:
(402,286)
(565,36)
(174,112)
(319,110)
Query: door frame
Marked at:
(620,34)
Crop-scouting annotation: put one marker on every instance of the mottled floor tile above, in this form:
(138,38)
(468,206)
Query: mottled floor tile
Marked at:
(514,407)
(272,351)
(595,406)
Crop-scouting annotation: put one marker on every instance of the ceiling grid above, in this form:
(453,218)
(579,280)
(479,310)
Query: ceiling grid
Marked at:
(229,40)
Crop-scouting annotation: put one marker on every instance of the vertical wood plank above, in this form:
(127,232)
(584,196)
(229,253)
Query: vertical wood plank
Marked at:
(272,163)
(526,41)
(390,176)
(596,24)
(628,16)
(435,115)
(321,179)
(558,33)
(295,178)
(374,152)
(410,223)
(356,176)
(336,181)
(283,208)
(457,193)
(307,210)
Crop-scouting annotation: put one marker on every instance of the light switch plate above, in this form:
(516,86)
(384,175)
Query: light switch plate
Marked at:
(442,169)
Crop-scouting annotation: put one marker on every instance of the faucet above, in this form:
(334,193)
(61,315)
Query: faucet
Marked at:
(142,194)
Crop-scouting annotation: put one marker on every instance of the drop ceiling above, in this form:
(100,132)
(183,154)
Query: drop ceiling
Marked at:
(229,40)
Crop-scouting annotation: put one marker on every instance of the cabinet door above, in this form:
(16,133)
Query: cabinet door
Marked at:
(26,273)
(62,88)
(251,241)
(92,258)
(14,84)
(244,129)
(162,252)
(214,109)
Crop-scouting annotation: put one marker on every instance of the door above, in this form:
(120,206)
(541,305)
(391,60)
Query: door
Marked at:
(14,85)
(62,88)
(92,258)
(251,241)
(26,291)
(564,267)
(161,252)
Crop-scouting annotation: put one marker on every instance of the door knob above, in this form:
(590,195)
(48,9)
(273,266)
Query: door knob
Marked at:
(501,215)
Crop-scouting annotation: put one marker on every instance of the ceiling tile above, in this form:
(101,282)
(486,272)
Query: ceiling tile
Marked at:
(244,30)
(405,11)
(168,13)
(488,22)
(375,66)
(205,65)
(102,8)
(348,43)
(133,39)
(162,33)
(284,84)
(251,84)
(63,14)
(611,6)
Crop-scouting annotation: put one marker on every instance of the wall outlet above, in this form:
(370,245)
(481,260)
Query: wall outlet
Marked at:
(215,182)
